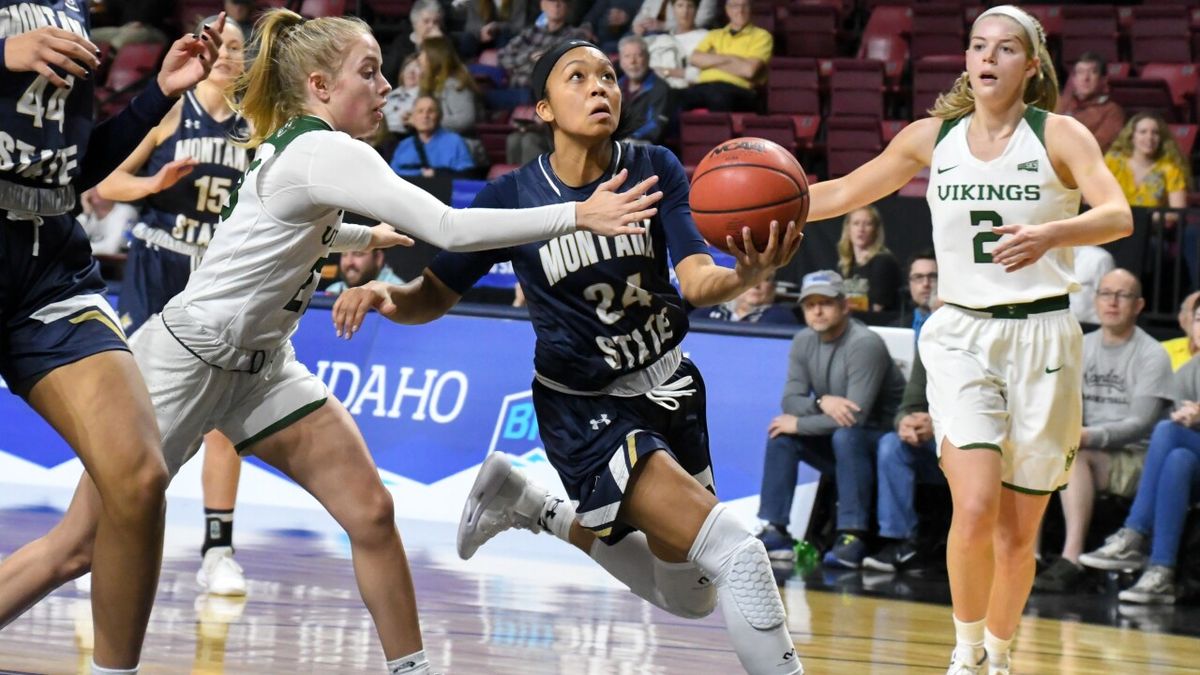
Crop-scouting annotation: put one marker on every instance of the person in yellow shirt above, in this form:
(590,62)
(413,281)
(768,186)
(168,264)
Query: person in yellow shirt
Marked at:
(1148,165)
(732,62)
(1181,349)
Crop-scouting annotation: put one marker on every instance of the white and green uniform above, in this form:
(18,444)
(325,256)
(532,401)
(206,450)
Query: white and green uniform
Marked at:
(220,355)
(1004,357)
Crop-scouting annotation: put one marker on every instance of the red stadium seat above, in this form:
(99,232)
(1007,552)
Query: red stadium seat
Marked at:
(315,9)
(810,30)
(856,88)
(932,76)
(1185,136)
(777,128)
(850,142)
(793,86)
(1183,79)
(133,65)
(1135,94)
(699,132)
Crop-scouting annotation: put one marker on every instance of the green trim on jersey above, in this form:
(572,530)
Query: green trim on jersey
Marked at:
(293,128)
(947,125)
(281,424)
(1031,491)
(981,446)
(1036,119)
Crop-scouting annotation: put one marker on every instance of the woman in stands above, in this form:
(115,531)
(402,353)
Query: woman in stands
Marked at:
(872,273)
(1004,355)
(219,355)
(1148,165)
(444,77)
(184,169)
(63,348)
(621,411)
(1169,485)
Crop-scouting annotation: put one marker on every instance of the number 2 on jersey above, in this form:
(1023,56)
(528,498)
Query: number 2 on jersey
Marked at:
(993,219)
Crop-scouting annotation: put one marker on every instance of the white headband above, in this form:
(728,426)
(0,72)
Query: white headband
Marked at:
(1020,16)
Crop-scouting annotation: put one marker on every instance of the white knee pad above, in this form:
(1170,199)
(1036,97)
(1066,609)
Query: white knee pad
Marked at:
(686,591)
(737,560)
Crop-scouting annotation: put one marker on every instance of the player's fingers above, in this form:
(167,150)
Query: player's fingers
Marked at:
(51,76)
(404,240)
(613,183)
(89,48)
(78,49)
(644,186)
(748,243)
(62,54)
(339,310)
(639,216)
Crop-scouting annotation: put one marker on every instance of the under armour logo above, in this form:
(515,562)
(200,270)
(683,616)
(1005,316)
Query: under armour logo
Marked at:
(191,124)
(789,655)
(602,421)
(703,581)
(72,6)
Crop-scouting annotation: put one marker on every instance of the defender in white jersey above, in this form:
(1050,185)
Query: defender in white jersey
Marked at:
(219,355)
(1004,356)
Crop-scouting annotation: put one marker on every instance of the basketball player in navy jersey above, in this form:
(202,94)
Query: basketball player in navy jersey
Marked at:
(61,346)
(621,412)
(184,169)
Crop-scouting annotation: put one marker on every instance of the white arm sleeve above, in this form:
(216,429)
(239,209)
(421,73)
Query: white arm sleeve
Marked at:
(329,170)
(351,238)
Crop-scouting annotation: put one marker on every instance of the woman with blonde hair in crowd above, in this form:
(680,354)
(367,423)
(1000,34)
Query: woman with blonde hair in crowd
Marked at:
(873,276)
(220,355)
(444,77)
(1147,163)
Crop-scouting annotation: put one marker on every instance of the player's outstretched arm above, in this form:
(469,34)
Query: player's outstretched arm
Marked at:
(125,185)
(348,174)
(908,153)
(1076,157)
(419,301)
(704,283)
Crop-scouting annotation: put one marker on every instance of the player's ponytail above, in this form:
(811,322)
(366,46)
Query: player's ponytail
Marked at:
(1040,91)
(273,88)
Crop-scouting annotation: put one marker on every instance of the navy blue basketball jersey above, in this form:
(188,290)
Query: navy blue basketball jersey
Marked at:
(43,129)
(190,209)
(602,307)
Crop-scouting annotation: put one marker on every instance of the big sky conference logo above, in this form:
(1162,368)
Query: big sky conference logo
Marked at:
(516,431)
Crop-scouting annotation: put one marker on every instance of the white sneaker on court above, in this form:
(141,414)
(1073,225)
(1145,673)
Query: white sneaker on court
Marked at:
(967,660)
(501,498)
(220,574)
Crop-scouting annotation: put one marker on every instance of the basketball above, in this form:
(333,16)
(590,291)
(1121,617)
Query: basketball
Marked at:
(747,182)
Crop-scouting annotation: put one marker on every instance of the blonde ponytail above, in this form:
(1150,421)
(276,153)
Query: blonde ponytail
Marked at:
(273,89)
(1041,90)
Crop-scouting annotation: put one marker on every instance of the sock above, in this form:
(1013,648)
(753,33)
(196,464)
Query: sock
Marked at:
(218,529)
(413,664)
(557,516)
(737,564)
(970,635)
(997,649)
(98,670)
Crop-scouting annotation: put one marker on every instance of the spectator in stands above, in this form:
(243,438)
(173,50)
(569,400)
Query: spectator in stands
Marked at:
(431,149)
(755,305)
(1182,349)
(445,77)
(643,95)
(610,20)
(873,276)
(491,23)
(841,394)
(400,100)
(1091,264)
(134,22)
(106,222)
(669,52)
(1170,483)
(732,62)
(922,291)
(427,20)
(1087,100)
(1147,163)
(359,267)
(906,456)
(1125,391)
(518,56)
(241,12)
(663,16)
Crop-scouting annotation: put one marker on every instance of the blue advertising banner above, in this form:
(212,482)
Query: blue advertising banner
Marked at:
(432,400)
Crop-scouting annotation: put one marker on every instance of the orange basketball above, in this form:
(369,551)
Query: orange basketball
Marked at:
(747,182)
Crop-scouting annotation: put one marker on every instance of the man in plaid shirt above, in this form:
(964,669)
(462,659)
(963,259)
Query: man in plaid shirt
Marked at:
(518,56)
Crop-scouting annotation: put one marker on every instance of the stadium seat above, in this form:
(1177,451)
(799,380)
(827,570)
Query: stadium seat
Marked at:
(777,128)
(793,87)
(932,76)
(937,29)
(856,88)
(850,142)
(699,132)
(892,50)
(1160,34)
(131,67)
(314,9)
(809,30)
(1089,29)
(1183,79)
(889,19)
(1185,136)
(1135,94)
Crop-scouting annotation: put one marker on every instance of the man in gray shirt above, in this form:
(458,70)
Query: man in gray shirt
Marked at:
(842,392)
(1126,387)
